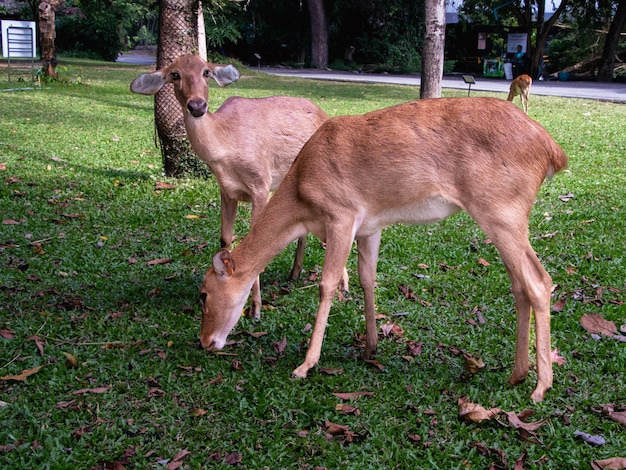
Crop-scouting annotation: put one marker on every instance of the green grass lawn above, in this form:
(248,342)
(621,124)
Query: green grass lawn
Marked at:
(113,332)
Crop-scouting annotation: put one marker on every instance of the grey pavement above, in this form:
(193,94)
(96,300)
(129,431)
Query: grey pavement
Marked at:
(613,92)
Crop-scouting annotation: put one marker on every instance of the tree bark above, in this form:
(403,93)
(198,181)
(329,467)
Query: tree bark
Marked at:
(319,34)
(47,34)
(433,52)
(178,35)
(542,36)
(605,72)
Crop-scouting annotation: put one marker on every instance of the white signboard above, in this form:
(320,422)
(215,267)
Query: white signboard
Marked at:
(19,39)
(514,40)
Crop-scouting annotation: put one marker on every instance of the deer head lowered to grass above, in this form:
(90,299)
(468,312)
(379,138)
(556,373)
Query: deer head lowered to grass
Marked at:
(249,144)
(521,86)
(416,163)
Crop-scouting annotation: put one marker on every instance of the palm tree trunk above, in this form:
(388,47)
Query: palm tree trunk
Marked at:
(178,35)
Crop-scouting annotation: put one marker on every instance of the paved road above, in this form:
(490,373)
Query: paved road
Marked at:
(613,92)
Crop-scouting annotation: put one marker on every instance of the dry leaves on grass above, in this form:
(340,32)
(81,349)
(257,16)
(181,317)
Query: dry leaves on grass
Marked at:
(614,463)
(595,324)
(154,262)
(38,342)
(7,333)
(340,430)
(23,375)
(177,461)
(96,390)
(229,458)
(475,413)
(615,412)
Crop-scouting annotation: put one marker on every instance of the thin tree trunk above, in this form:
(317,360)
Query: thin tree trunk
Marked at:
(178,35)
(433,52)
(605,73)
(542,36)
(319,34)
(47,34)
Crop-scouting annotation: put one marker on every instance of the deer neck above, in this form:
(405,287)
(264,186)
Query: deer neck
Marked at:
(209,141)
(276,227)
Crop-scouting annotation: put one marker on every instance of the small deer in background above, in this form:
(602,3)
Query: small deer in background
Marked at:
(521,86)
(414,163)
(248,143)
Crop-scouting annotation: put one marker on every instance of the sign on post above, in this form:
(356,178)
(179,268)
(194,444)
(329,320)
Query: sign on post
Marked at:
(19,41)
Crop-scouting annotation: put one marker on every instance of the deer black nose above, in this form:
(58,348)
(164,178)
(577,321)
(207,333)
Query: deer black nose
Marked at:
(197,107)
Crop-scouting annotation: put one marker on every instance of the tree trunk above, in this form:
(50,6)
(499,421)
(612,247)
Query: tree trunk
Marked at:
(178,35)
(433,52)
(542,35)
(47,34)
(319,34)
(605,72)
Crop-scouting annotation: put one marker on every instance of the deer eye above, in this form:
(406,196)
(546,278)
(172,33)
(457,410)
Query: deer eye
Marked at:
(175,76)
(203,297)
(206,73)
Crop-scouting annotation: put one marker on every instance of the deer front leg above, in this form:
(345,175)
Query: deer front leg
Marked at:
(259,201)
(337,251)
(368,259)
(227,215)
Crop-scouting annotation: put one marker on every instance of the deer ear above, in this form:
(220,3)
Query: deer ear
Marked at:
(223,264)
(148,83)
(224,75)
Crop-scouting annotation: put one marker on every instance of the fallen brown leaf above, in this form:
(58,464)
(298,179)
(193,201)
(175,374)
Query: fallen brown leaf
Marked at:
(352,395)
(613,463)
(472,364)
(554,357)
(163,185)
(595,323)
(153,262)
(559,304)
(70,361)
(516,422)
(22,376)
(345,408)
(335,429)
(279,346)
(474,413)
(519,463)
(7,333)
(82,391)
(177,461)
(615,412)
(233,458)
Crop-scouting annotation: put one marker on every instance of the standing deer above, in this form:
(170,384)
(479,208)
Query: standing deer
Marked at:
(249,144)
(414,163)
(521,86)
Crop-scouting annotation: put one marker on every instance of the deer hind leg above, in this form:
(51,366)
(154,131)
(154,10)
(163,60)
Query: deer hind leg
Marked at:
(298,260)
(531,286)
(338,244)
(524,98)
(368,259)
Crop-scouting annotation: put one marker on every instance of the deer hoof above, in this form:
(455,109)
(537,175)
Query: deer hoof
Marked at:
(300,372)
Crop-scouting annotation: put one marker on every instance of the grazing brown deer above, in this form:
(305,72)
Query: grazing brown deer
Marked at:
(249,144)
(414,163)
(521,86)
